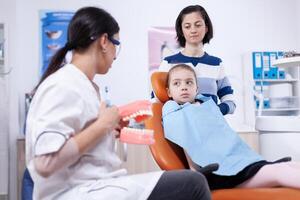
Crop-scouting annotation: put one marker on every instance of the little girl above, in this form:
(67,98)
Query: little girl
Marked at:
(195,123)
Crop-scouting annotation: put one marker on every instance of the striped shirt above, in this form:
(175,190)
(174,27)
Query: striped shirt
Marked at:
(211,78)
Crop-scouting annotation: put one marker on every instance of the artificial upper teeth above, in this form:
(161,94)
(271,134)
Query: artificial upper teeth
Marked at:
(138,113)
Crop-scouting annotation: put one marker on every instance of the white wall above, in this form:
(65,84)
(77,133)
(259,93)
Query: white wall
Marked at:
(298,24)
(240,27)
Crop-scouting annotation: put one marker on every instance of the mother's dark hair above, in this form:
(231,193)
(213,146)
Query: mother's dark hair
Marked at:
(87,25)
(187,10)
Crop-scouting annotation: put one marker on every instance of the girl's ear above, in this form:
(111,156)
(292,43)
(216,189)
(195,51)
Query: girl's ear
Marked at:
(168,92)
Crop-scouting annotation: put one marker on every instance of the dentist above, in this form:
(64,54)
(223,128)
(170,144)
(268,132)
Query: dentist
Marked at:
(70,132)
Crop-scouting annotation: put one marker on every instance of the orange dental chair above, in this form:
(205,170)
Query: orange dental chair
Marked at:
(170,156)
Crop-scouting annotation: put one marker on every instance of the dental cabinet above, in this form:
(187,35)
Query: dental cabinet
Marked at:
(278,84)
(277,108)
(284,95)
(271,85)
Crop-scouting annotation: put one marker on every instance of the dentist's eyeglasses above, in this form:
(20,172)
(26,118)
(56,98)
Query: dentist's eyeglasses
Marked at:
(115,42)
(117,45)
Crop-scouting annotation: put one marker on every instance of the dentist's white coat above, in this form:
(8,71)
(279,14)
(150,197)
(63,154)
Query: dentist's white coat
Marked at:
(64,104)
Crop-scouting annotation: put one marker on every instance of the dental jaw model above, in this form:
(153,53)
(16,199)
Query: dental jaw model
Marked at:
(136,113)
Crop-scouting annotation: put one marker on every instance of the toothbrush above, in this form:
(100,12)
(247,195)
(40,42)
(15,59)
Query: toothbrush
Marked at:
(106,98)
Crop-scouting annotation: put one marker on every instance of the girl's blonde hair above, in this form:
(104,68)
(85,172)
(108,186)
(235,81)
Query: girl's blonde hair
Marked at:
(179,66)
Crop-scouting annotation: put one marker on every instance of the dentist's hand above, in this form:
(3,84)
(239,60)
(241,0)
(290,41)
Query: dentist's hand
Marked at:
(108,117)
(107,121)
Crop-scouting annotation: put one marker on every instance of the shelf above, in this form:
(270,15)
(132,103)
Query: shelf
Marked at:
(276,80)
(278,109)
(287,62)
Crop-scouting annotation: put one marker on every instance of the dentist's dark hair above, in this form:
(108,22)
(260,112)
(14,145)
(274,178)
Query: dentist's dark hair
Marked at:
(87,25)
(187,10)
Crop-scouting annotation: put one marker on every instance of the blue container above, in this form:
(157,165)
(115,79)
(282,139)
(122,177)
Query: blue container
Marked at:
(273,72)
(281,74)
(257,64)
(266,103)
(54,34)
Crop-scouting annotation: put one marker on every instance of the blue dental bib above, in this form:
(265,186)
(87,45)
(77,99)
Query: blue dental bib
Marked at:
(202,131)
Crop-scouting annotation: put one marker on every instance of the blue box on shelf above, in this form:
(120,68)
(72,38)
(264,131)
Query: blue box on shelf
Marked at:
(280,54)
(257,65)
(266,103)
(266,74)
(281,74)
(273,72)
(266,65)
(256,103)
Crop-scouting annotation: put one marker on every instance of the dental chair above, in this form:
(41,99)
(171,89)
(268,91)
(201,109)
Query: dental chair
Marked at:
(170,156)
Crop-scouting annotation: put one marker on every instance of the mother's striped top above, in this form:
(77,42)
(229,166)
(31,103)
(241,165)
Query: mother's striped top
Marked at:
(211,78)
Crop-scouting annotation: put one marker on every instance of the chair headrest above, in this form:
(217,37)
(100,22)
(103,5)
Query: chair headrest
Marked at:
(159,82)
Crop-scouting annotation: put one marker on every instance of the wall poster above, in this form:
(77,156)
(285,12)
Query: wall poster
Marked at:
(54,28)
(161,43)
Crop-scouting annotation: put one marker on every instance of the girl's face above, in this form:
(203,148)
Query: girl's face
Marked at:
(182,86)
(193,28)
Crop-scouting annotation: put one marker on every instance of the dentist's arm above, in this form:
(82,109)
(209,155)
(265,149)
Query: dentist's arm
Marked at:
(106,122)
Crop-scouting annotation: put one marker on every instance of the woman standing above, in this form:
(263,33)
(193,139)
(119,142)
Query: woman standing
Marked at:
(194,29)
